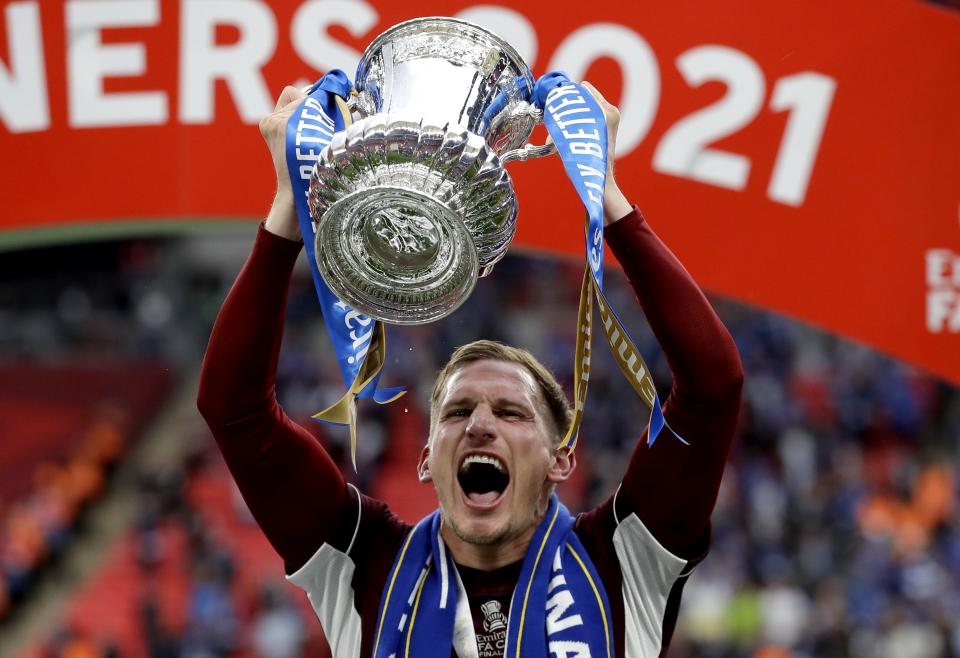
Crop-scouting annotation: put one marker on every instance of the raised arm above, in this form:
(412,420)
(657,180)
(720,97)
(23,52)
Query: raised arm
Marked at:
(673,487)
(293,488)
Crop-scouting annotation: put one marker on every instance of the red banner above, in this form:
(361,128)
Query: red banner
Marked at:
(802,156)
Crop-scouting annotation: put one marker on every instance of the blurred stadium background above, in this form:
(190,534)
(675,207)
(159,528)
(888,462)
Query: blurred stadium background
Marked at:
(837,532)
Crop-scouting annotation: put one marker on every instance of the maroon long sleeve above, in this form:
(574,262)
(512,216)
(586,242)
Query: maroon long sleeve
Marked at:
(673,487)
(294,490)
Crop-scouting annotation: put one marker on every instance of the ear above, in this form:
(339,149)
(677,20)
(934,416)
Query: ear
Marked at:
(423,466)
(564,461)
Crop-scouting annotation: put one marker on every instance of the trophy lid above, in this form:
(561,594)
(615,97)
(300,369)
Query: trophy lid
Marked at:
(443,26)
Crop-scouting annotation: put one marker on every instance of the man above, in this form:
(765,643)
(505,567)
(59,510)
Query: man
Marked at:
(496,418)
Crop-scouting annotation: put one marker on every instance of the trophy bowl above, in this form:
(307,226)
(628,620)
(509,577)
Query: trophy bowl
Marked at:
(412,203)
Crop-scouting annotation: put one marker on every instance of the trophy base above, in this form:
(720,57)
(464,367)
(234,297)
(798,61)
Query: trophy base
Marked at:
(396,254)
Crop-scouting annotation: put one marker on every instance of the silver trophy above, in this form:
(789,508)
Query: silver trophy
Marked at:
(411,203)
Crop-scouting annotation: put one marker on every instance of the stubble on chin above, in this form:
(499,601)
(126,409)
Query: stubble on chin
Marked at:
(476,538)
(498,536)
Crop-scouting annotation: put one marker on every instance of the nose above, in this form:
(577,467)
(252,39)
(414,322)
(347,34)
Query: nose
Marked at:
(482,423)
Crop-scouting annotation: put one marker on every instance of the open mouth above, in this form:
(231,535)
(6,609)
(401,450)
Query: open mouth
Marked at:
(483,479)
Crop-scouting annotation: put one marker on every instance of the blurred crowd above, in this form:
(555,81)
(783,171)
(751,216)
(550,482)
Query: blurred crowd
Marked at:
(188,595)
(223,615)
(836,532)
(37,525)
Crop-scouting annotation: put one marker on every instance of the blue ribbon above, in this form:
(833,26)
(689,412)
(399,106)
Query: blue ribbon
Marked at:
(310,130)
(579,130)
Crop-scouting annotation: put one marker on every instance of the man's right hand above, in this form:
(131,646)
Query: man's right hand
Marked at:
(282,218)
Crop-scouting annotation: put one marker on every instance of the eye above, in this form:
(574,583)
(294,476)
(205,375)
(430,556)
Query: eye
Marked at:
(457,412)
(509,413)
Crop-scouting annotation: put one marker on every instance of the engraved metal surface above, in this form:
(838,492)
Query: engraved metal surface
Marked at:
(409,216)
(411,203)
(449,71)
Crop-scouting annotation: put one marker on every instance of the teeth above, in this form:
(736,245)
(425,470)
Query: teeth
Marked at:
(483,459)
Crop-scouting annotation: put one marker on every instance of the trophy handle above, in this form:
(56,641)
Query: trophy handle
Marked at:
(529,151)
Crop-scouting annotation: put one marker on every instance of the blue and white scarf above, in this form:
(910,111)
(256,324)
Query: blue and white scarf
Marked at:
(559,606)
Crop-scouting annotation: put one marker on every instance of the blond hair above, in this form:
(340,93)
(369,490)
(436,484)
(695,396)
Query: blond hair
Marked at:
(479,350)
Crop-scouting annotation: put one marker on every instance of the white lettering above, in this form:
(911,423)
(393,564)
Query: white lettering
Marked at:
(943,268)
(582,134)
(572,110)
(312,41)
(564,90)
(359,355)
(943,311)
(203,62)
(576,122)
(322,118)
(557,580)
(586,148)
(583,342)
(556,606)
(568,649)
(309,155)
(319,141)
(577,100)
(614,337)
(684,149)
(326,136)
(89,61)
(23,86)
(361,339)
(319,113)
(359,318)
(594,259)
(808,97)
(607,319)
(638,64)
(640,372)
(559,602)
(311,139)
(943,294)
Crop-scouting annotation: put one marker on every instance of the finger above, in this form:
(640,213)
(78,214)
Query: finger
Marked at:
(597,96)
(287,96)
(289,107)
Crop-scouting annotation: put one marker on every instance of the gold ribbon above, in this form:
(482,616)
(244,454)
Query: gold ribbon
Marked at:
(625,353)
(344,410)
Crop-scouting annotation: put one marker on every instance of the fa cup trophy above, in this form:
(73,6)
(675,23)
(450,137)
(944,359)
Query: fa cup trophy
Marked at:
(411,202)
